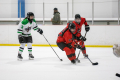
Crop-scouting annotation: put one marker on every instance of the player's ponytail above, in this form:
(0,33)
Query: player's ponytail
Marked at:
(25,18)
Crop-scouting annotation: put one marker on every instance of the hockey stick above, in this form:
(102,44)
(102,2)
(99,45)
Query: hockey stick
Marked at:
(81,46)
(87,57)
(118,75)
(92,62)
(78,54)
(52,48)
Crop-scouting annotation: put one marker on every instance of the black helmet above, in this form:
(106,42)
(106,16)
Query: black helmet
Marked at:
(77,16)
(71,26)
(30,14)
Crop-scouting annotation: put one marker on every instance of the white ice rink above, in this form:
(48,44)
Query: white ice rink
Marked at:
(46,65)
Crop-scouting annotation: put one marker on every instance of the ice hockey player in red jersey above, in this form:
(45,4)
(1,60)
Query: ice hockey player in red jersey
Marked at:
(79,21)
(67,42)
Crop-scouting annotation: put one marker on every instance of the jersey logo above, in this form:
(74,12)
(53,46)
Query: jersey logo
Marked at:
(70,40)
(28,29)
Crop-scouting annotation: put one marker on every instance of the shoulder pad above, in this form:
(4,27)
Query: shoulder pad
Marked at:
(25,21)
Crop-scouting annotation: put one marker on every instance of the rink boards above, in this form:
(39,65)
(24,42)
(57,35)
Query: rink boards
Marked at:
(98,36)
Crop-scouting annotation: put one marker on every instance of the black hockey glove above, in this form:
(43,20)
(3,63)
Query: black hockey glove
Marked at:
(40,30)
(85,55)
(79,47)
(87,28)
(82,38)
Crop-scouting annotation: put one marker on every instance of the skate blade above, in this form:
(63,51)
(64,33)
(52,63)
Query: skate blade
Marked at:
(85,57)
(73,63)
(78,61)
(31,58)
(19,59)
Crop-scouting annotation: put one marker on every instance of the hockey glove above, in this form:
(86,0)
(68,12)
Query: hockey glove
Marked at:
(79,47)
(85,55)
(40,30)
(87,28)
(82,38)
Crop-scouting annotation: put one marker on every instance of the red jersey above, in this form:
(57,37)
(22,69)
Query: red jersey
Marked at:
(79,26)
(66,36)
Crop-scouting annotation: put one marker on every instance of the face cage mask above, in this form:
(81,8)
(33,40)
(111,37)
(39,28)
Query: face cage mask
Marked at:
(30,19)
(78,20)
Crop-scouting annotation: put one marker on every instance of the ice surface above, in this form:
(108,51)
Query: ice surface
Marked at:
(46,65)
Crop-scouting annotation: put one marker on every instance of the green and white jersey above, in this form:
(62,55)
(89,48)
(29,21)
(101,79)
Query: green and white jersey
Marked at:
(25,27)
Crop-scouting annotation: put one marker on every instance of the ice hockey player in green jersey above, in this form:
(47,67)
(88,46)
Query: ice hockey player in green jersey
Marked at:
(24,34)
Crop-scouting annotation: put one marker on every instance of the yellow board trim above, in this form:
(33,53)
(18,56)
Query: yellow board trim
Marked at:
(46,45)
(99,46)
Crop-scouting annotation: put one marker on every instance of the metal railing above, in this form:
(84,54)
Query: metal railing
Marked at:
(70,6)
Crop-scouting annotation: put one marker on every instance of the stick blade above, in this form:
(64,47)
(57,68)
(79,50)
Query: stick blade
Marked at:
(118,75)
(95,63)
(61,60)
